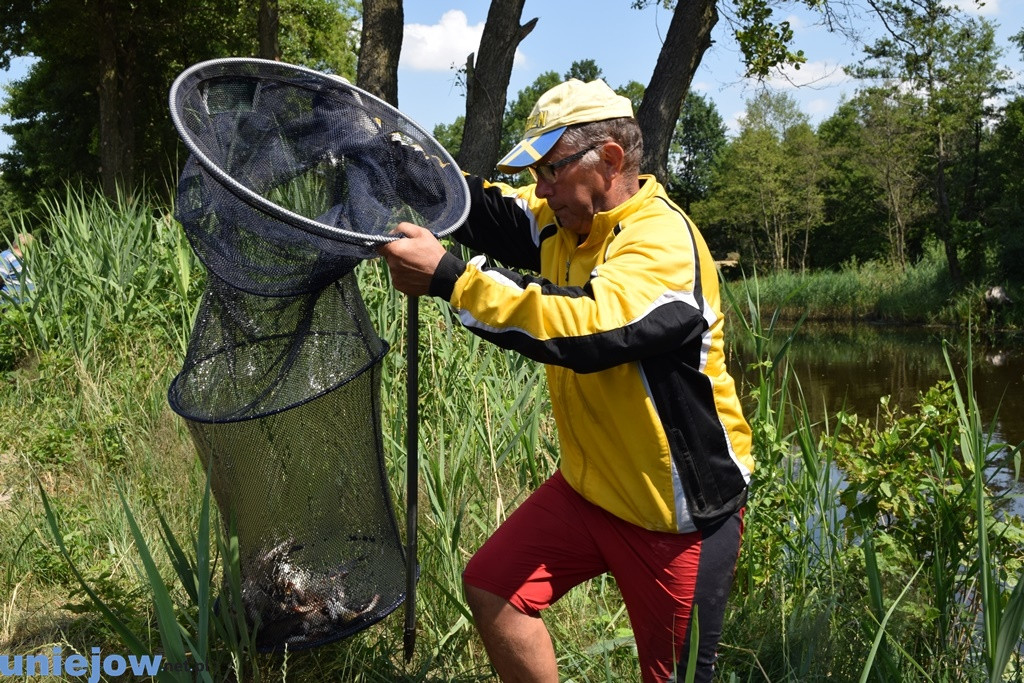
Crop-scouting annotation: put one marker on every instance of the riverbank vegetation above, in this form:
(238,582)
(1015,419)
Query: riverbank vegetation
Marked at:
(920,294)
(875,548)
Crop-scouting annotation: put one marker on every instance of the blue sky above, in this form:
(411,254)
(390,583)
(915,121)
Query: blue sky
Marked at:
(625,43)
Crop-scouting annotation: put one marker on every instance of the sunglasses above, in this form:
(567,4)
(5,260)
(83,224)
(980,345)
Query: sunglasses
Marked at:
(549,172)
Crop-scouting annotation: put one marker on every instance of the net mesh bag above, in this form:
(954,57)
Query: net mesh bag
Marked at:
(294,177)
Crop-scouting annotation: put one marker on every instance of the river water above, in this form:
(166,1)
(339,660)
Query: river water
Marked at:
(850,367)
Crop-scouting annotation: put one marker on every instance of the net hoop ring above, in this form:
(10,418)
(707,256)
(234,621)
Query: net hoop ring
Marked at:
(254,199)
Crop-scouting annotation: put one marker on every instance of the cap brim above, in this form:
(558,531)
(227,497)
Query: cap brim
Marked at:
(529,151)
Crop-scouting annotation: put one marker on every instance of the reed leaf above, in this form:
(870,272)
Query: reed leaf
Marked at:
(130,639)
(691,656)
(1009,634)
(171,636)
(974,451)
(869,661)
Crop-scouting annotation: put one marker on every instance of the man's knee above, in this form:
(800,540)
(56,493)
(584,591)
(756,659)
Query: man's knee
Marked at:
(484,604)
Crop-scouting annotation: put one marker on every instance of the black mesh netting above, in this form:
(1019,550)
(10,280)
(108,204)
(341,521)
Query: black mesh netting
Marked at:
(294,177)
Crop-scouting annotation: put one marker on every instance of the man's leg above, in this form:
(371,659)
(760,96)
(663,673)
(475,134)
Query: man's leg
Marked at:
(518,645)
(662,578)
(537,555)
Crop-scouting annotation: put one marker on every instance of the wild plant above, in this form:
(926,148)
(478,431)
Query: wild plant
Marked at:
(104,270)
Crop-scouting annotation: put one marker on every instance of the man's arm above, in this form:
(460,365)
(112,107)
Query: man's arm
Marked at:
(635,307)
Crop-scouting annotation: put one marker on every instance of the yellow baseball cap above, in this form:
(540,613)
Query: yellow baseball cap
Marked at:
(563,105)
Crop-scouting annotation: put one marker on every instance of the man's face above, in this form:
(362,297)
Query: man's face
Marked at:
(577,191)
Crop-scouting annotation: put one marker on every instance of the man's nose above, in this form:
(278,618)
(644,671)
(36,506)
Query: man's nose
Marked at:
(544,189)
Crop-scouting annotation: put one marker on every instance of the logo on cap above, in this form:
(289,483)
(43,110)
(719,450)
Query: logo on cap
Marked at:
(536,119)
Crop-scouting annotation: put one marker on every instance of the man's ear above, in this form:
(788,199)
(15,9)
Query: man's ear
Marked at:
(613,156)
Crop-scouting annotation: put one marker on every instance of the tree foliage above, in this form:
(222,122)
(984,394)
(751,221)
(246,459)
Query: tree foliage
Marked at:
(919,154)
(766,187)
(848,231)
(696,143)
(1005,193)
(764,43)
(806,169)
(93,105)
(450,135)
(952,63)
(886,147)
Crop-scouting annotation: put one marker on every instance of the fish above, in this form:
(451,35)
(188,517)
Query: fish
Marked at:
(287,602)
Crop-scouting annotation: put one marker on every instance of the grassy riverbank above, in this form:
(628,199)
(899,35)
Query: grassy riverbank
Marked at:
(872,549)
(920,294)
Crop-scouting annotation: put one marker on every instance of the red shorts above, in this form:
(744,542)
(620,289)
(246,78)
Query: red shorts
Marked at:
(556,540)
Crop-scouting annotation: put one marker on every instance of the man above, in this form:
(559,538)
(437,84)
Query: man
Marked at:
(655,452)
(11,270)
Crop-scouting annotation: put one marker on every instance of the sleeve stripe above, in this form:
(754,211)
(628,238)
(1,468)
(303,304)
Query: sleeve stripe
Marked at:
(501,278)
(524,206)
(697,287)
(665,299)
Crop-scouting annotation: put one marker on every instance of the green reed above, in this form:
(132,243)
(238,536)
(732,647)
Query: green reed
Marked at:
(103,270)
(870,541)
(873,549)
(919,293)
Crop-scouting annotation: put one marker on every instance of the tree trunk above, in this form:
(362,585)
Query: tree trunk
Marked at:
(487,85)
(269,30)
(379,49)
(688,38)
(116,101)
(897,232)
(944,229)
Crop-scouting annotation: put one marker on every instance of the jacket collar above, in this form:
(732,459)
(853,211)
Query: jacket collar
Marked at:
(605,221)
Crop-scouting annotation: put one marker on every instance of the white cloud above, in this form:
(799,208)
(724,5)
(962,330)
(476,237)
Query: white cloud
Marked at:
(734,121)
(811,75)
(796,23)
(988,8)
(819,107)
(438,46)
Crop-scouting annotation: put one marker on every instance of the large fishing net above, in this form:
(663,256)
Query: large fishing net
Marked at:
(294,177)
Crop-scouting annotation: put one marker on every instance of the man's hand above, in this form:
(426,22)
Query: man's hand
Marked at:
(413,259)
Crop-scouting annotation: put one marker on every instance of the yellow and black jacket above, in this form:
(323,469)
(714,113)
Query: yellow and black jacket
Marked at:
(629,324)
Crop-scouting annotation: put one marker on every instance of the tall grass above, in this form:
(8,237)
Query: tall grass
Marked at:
(873,549)
(920,293)
(486,440)
(103,270)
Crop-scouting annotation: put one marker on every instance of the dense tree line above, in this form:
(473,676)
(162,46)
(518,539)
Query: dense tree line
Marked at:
(92,110)
(919,156)
(93,107)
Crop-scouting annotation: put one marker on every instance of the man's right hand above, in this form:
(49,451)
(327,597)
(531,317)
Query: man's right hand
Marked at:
(412,259)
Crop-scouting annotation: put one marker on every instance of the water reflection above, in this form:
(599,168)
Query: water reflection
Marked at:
(852,366)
